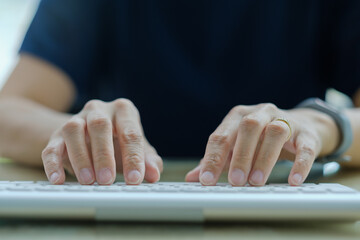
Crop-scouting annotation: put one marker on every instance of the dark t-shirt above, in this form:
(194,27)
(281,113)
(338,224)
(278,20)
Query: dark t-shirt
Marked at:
(186,63)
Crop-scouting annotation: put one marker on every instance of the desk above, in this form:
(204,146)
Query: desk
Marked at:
(174,171)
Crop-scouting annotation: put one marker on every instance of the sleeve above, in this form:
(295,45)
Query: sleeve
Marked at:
(343,63)
(65,33)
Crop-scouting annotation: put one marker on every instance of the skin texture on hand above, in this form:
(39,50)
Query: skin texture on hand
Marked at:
(102,138)
(251,139)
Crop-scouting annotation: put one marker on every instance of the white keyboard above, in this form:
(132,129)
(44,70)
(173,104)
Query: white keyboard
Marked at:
(178,201)
(173,187)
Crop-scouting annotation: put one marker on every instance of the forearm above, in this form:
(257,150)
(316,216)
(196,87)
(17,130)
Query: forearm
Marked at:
(25,128)
(354,150)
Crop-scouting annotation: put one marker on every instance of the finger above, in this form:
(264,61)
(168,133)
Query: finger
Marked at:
(117,153)
(193,175)
(153,167)
(74,135)
(68,168)
(131,140)
(276,134)
(306,152)
(52,160)
(100,131)
(227,164)
(249,133)
(66,163)
(218,148)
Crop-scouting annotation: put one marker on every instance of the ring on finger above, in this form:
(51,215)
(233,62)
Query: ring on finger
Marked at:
(281,119)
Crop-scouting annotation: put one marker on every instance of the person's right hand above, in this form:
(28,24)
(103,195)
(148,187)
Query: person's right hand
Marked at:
(104,137)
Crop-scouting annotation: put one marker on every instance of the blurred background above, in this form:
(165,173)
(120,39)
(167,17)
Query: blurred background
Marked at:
(15,17)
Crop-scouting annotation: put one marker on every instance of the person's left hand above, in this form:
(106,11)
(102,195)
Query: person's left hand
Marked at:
(251,139)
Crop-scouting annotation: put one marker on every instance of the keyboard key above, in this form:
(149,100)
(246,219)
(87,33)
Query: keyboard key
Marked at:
(223,189)
(43,183)
(79,189)
(72,183)
(286,190)
(166,189)
(135,189)
(342,190)
(107,189)
(198,188)
(22,182)
(49,189)
(256,189)
(120,184)
(19,189)
(313,190)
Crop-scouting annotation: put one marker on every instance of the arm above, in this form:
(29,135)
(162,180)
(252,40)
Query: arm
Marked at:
(32,103)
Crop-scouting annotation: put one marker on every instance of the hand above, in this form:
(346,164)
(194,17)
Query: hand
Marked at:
(100,139)
(250,140)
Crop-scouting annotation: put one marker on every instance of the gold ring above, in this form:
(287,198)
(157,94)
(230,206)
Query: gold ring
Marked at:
(287,123)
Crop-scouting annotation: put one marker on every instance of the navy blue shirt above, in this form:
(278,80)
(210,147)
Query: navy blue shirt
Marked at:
(186,63)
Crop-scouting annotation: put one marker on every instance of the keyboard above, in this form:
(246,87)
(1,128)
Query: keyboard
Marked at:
(177,201)
(174,187)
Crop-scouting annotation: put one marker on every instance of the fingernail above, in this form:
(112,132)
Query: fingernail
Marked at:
(207,178)
(257,177)
(105,176)
(297,179)
(54,177)
(237,177)
(133,177)
(86,176)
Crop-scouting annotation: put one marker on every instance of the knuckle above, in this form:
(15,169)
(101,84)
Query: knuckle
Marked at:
(308,151)
(133,160)
(243,157)
(72,126)
(50,165)
(267,160)
(240,109)
(213,161)
(92,104)
(132,136)
(269,107)
(275,129)
(261,105)
(99,123)
(80,158)
(249,123)
(104,156)
(220,139)
(48,151)
(302,163)
(123,103)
